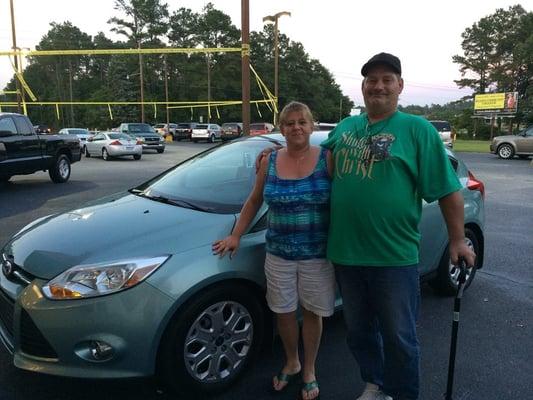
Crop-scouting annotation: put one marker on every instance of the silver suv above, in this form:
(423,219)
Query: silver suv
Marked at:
(508,146)
(445,132)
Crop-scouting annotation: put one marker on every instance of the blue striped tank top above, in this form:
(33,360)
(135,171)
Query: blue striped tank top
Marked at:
(298,213)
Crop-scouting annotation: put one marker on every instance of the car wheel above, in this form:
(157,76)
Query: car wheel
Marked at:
(212,139)
(105,154)
(136,156)
(505,151)
(60,172)
(86,152)
(160,150)
(208,344)
(446,281)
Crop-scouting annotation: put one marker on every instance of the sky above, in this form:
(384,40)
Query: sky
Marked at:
(341,34)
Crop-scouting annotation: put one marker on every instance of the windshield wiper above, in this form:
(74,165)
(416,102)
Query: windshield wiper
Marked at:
(167,200)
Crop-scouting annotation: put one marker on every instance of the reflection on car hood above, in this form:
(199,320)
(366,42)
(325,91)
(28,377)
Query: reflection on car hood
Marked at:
(506,137)
(113,229)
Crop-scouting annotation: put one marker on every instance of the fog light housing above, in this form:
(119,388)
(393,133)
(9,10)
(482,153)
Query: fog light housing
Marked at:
(100,350)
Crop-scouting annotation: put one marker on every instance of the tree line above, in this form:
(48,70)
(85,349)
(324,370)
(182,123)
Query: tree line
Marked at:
(190,77)
(497,56)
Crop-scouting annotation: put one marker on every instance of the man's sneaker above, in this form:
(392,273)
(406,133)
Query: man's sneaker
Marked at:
(372,392)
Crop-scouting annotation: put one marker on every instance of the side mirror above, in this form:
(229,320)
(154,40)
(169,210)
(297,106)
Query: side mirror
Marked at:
(90,139)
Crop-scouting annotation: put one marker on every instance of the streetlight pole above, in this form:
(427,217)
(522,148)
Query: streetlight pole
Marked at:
(14,37)
(245,65)
(274,18)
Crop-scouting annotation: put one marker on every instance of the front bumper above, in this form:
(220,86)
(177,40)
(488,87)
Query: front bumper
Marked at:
(53,337)
(155,146)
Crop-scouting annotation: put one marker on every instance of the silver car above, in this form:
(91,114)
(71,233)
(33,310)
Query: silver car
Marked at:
(113,144)
(209,132)
(81,133)
(508,146)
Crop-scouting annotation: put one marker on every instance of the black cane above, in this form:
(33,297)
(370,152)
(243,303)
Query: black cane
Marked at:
(455,326)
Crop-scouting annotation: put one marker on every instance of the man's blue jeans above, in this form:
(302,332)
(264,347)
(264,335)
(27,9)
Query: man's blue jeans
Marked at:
(380,309)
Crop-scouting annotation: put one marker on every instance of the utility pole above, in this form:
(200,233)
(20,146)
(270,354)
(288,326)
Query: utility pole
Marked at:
(245,65)
(166,90)
(208,87)
(274,18)
(14,36)
(141,81)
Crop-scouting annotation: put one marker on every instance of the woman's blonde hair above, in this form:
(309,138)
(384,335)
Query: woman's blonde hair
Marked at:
(295,106)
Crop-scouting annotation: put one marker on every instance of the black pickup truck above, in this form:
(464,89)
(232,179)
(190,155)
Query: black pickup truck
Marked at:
(22,151)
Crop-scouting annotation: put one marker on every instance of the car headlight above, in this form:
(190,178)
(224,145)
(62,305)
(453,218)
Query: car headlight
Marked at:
(83,281)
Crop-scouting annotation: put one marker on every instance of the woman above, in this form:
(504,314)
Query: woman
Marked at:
(295,183)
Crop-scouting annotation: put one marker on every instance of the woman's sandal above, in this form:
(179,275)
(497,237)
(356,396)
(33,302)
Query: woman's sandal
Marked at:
(287,378)
(308,387)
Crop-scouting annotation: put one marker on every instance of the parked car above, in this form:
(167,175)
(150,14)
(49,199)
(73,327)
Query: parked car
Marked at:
(44,129)
(144,134)
(324,126)
(446,132)
(166,129)
(81,133)
(23,151)
(208,132)
(260,128)
(231,130)
(146,294)
(508,146)
(184,130)
(113,144)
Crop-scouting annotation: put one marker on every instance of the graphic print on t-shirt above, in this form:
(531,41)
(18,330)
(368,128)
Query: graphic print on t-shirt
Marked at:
(357,155)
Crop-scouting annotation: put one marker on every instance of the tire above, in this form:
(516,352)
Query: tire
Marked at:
(212,139)
(136,156)
(60,171)
(86,152)
(160,150)
(505,151)
(445,283)
(105,154)
(194,342)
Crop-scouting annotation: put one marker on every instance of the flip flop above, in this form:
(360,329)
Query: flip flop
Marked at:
(308,387)
(288,378)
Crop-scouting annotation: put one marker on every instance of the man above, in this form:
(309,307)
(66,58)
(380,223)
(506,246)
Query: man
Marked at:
(386,163)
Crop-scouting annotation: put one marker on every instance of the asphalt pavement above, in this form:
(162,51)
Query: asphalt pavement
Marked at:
(495,345)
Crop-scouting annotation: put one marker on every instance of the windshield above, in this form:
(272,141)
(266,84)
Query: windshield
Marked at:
(441,125)
(218,180)
(78,132)
(257,126)
(115,136)
(137,128)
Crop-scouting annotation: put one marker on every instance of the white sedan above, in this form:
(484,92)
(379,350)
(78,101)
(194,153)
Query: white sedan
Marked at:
(113,144)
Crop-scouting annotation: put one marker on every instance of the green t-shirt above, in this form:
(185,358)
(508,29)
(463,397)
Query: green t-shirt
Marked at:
(382,173)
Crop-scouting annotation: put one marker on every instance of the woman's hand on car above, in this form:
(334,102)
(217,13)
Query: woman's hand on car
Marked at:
(229,244)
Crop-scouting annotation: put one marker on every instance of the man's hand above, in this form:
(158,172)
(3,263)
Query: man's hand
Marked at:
(265,153)
(460,249)
(229,244)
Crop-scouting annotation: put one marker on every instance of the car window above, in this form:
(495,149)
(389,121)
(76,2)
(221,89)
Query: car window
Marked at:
(23,127)
(257,126)
(78,131)
(136,128)
(529,131)
(220,179)
(116,136)
(201,126)
(183,125)
(100,136)
(7,124)
(441,125)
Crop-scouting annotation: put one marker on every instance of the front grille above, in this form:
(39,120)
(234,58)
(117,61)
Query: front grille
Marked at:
(32,341)
(151,140)
(7,308)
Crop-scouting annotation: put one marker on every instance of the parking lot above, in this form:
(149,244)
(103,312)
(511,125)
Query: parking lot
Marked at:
(495,345)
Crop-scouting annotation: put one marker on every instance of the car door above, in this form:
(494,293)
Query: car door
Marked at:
(21,151)
(524,144)
(95,145)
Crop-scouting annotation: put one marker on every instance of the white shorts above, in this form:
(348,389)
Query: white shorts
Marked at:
(311,282)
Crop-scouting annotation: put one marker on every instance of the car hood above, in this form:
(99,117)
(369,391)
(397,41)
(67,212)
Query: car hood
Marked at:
(114,228)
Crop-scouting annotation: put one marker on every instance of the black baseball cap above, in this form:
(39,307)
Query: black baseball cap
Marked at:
(383,58)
